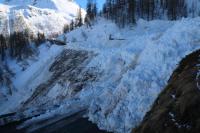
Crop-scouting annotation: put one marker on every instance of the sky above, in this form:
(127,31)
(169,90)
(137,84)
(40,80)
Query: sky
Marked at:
(83,3)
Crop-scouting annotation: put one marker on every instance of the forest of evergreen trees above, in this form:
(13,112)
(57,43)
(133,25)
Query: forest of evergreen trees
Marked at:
(18,44)
(127,11)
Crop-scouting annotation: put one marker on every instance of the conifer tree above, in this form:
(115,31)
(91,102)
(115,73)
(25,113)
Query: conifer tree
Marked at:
(71,27)
(79,21)
(2,46)
(131,11)
(66,28)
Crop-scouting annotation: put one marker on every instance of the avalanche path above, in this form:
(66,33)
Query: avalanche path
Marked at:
(114,80)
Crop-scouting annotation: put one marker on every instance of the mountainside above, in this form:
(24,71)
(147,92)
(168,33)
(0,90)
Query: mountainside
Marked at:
(112,74)
(44,16)
(176,110)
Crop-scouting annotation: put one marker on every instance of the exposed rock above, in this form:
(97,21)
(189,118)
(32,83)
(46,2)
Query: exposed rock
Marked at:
(69,75)
(177,109)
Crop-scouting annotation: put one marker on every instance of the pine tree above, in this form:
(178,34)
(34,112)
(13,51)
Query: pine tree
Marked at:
(40,39)
(131,11)
(91,10)
(94,9)
(2,46)
(66,28)
(71,27)
(79,21)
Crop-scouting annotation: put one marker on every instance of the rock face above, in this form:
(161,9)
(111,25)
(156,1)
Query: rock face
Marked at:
(68,71)
(69,75)
(177,108)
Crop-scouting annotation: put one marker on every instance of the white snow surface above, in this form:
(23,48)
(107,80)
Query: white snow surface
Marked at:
(26,80)
(44,16)
(134,68)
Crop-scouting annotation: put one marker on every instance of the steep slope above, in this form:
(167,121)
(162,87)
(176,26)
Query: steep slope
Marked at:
(114,74)
(135,65)
(176,110)
(45,16)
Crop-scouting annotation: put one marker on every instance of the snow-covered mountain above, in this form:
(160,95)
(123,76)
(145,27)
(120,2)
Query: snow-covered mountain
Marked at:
(115,74)
(45,16)
(112,75)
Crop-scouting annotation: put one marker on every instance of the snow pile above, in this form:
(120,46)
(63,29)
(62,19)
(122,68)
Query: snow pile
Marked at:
(133,68)
(44,16)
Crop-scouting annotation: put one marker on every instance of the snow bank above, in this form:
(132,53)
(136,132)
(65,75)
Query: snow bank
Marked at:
(135,69)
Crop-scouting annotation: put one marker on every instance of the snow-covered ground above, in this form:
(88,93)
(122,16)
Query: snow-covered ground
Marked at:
(44,16)
(135,69)
(131,67)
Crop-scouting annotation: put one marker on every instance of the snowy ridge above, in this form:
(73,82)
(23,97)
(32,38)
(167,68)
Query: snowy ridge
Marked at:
(45,16)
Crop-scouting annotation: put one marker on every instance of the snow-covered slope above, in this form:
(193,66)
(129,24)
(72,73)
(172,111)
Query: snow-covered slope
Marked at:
(48,16)
(115,79)
(135,69)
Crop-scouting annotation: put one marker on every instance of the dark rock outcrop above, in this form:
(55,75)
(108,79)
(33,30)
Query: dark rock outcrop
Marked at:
(177,109)
(69,75)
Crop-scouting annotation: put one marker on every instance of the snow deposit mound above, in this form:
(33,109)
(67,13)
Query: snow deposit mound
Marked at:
(135,69)
(130,70)
(177,108)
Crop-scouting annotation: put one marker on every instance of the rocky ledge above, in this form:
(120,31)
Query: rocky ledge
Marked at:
(177,108)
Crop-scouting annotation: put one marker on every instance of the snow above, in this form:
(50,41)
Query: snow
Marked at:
(133,71)
(27,80)
(44,16)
